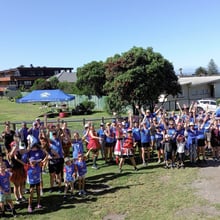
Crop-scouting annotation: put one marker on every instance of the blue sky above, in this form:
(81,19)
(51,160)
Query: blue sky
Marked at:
(72,33)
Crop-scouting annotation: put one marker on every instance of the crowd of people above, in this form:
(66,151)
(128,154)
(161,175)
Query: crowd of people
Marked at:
(54,148)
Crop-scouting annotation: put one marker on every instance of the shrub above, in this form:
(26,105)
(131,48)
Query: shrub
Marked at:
(84,108)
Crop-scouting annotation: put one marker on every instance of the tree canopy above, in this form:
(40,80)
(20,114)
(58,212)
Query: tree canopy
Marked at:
(91,78)
(139,77)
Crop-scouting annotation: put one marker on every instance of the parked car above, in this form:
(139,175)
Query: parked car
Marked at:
(206,105)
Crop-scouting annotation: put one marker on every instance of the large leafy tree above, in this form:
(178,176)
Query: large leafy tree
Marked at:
(212,68)
(91,78)
(139,77)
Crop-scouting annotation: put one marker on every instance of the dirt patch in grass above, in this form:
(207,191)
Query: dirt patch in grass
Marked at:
(206,187)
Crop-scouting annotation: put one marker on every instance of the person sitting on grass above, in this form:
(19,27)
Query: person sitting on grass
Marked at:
(70,174)
(33,178)
(5,191)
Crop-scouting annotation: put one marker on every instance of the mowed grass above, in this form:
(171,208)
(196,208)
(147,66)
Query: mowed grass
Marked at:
(151,193)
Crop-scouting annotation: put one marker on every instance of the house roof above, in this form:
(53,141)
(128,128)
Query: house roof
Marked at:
(197,80)
(66,77)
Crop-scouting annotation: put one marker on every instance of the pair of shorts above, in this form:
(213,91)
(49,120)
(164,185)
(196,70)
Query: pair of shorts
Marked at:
(34,185)
(108,145)
(5,197)
(145,145)
(55,168)
(201,142)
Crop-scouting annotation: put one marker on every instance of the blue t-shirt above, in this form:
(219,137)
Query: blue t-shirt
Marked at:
(33,174)
(77,147)
(57,146)
(69,171)
(81,167)
(145,135)
(136,134)
(5,182)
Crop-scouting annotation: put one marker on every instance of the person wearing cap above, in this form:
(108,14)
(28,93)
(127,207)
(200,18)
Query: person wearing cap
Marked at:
(33,170)
(128,151)
(69,177)
(35,131)
(85,136)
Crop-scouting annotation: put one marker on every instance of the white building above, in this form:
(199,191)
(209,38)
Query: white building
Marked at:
(194,88)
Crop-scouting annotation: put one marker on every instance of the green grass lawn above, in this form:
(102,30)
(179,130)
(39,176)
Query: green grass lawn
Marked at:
(151,193)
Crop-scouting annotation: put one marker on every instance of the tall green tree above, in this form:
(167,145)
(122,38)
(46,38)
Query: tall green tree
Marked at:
(91,78)
(201,71)
(212,68)
(139,77)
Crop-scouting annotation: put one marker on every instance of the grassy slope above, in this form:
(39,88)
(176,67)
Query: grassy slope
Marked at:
(150,193)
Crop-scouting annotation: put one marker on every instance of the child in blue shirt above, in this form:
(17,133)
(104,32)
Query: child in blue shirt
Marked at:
(81,170)
(33,178)
(70,173)
(5,190)
(77,146)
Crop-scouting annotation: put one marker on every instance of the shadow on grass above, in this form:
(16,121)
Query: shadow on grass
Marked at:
(53,202)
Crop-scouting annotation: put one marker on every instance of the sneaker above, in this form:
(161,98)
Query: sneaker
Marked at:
(120,170)
(159,161)
(41,192)
(23,199)
(64,197)
(83,192)
(30,209)
(80,193)
(144,164)
(18,201)
(39,206)
(135,169)
(95,167)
